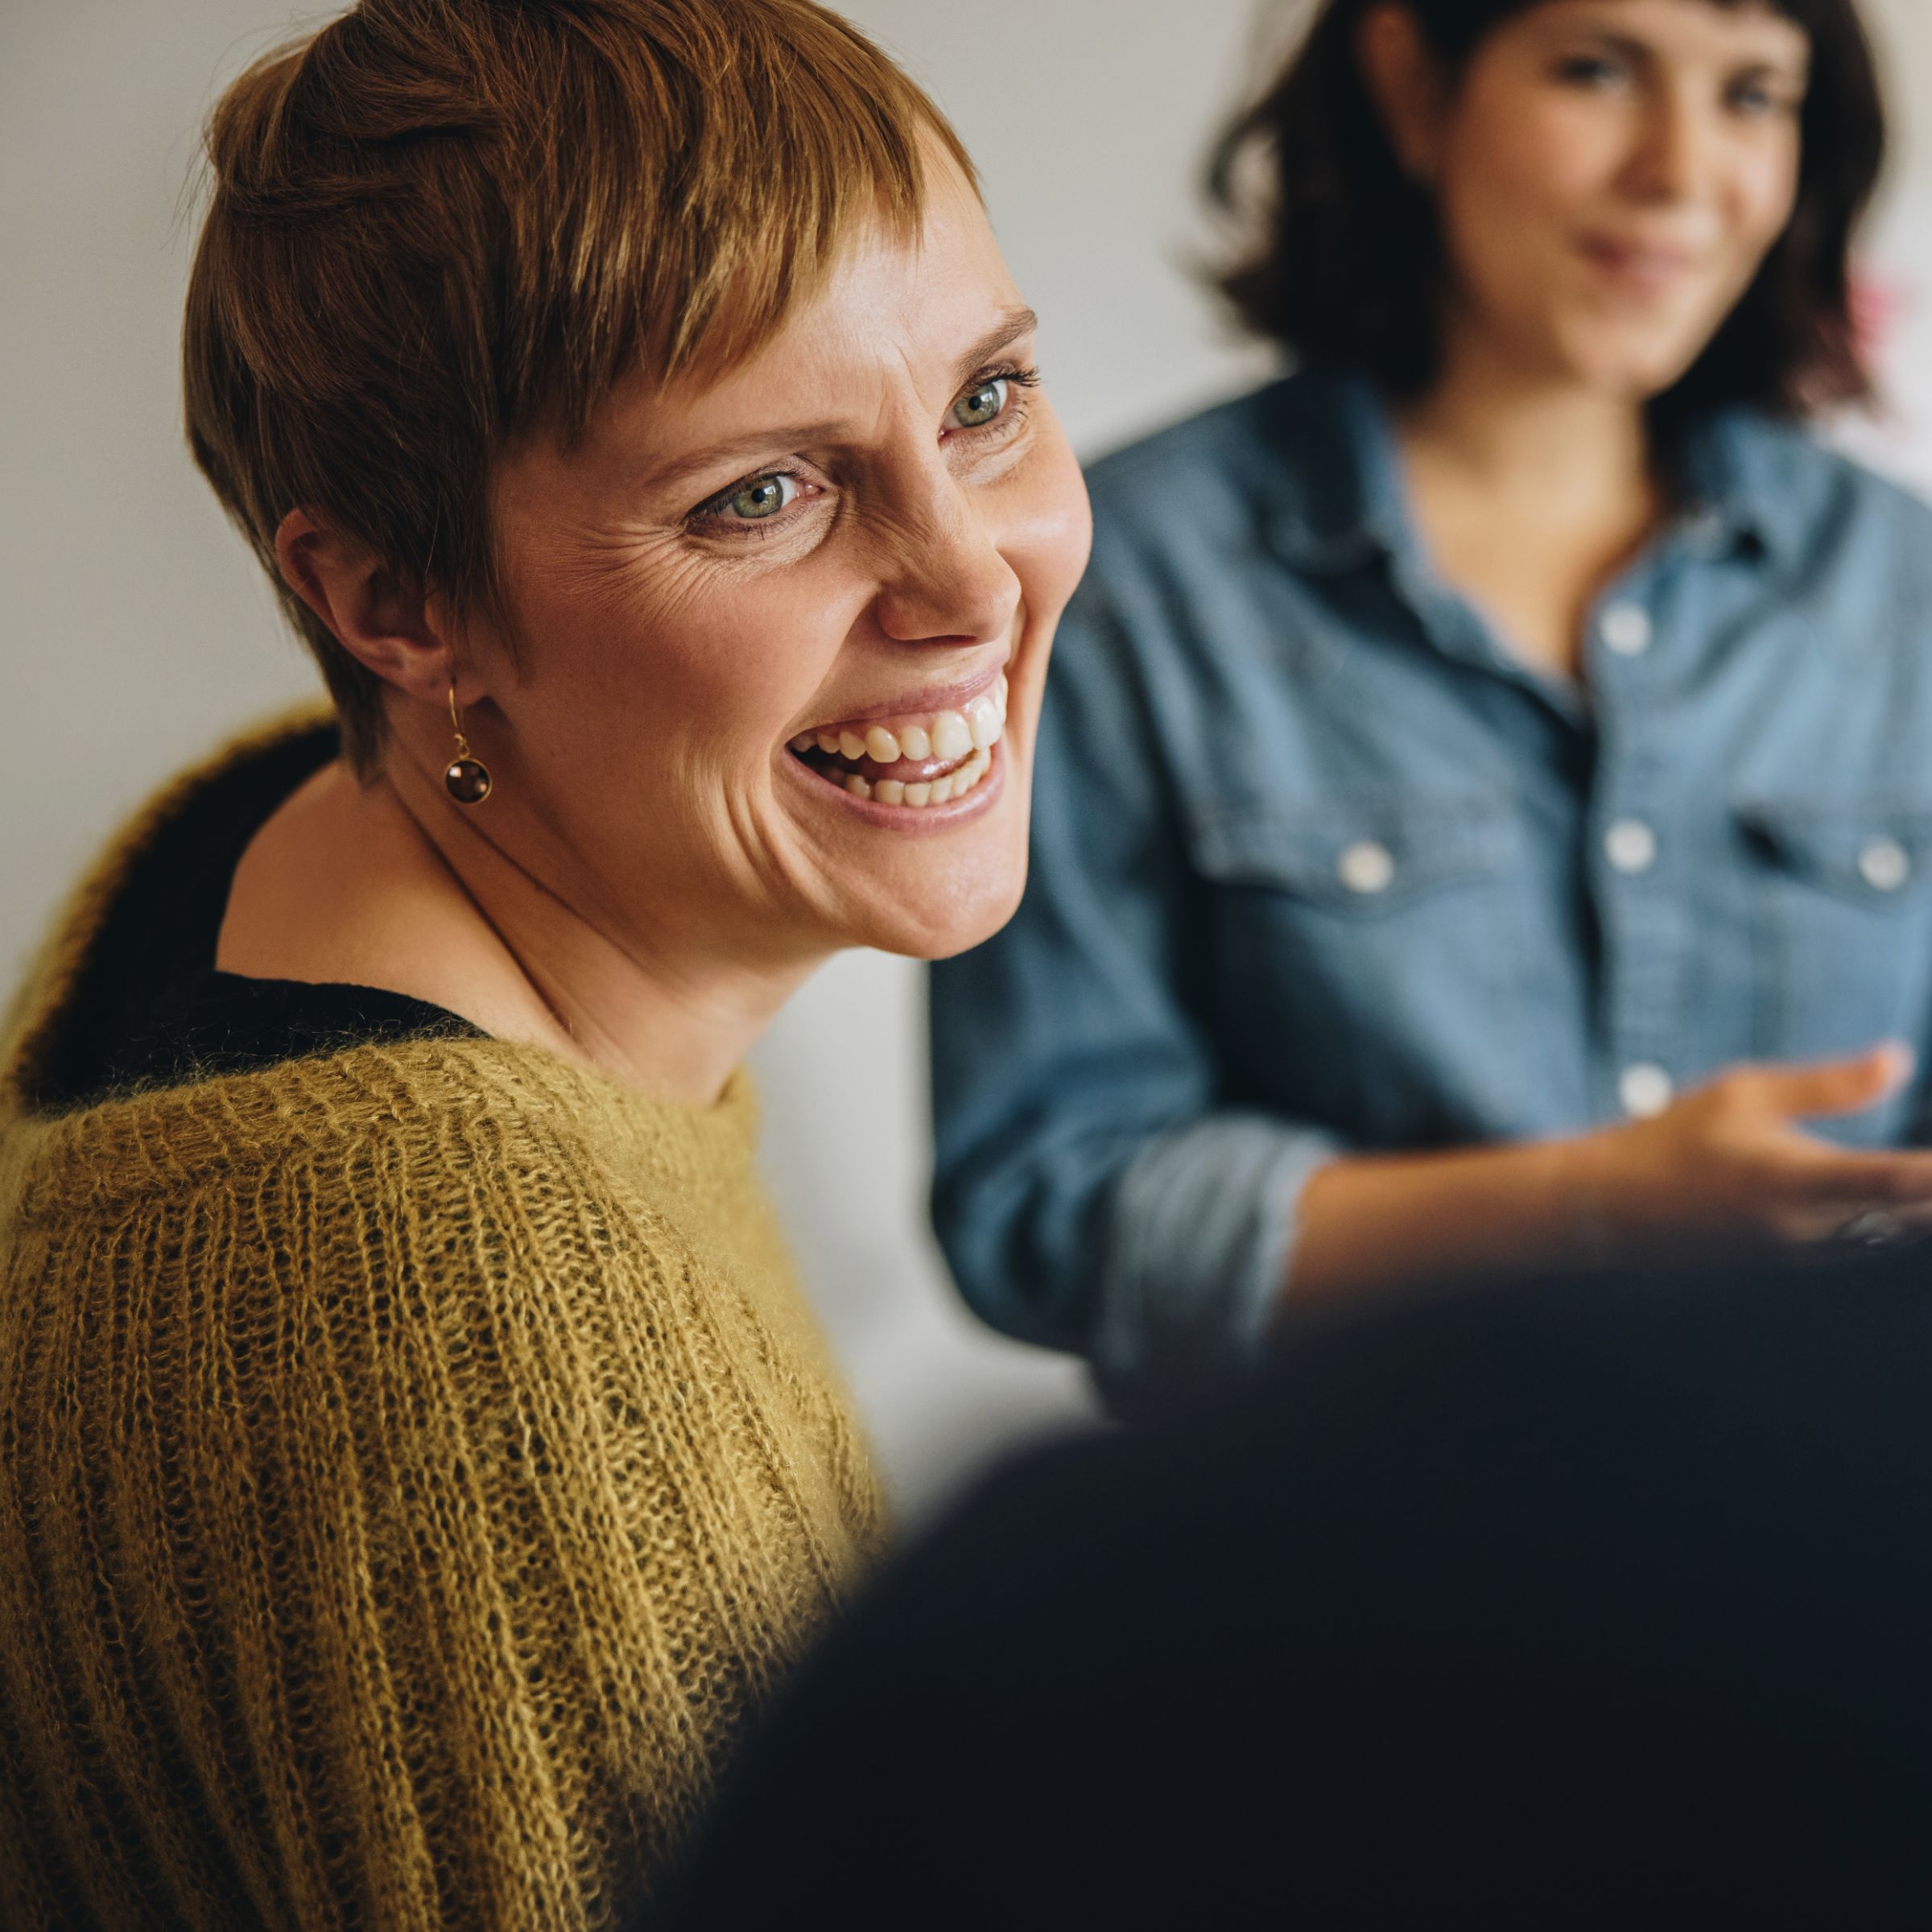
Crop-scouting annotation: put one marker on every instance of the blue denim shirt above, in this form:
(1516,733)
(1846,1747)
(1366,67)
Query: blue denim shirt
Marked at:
(1319,864)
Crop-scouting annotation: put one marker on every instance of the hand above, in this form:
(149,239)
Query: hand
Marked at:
(1729,1169)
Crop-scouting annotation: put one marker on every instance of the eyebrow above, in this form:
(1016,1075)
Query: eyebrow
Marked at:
(1012,326)
(1016,323)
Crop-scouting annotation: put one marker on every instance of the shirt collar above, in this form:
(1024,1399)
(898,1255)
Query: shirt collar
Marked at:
(1341,499)
(1342,502)
(1737,471)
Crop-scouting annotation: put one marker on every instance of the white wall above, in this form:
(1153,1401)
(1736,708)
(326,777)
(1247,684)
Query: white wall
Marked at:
(1899,248)
(136,629)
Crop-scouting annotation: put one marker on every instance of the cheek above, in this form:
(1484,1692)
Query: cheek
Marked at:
(1511,194)
(1049,531)
(707,666)
(1524,160)
(1766,195)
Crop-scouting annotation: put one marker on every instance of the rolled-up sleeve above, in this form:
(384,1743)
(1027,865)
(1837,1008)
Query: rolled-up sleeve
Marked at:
(1197,1246)
(1095,1190)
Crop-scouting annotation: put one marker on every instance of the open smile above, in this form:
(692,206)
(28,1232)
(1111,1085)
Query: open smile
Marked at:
(1641,268)
(912,761)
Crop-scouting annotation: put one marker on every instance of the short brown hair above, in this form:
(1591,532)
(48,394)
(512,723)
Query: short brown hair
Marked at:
(438,224)
(1343,260)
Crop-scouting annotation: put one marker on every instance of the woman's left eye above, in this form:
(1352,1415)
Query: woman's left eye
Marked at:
(1761,98)
(761,498)
(984,402)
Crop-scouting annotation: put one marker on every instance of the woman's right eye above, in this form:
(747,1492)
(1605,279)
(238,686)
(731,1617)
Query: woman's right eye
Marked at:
(1591,70)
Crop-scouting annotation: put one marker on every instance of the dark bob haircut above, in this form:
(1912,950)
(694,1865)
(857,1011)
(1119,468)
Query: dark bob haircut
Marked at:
(1343,256)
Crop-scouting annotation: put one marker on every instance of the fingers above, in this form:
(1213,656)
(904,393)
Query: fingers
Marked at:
(1829,1088)
(1830,1178)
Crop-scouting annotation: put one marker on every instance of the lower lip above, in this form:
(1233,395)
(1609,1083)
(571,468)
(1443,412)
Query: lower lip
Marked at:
(911,818)
(1639,274)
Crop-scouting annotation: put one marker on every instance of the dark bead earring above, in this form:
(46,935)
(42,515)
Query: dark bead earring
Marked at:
(465,779)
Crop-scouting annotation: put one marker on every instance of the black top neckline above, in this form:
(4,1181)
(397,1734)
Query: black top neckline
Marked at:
(150,1008)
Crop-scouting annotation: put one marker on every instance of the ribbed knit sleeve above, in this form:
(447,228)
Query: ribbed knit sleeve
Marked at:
(410,1484)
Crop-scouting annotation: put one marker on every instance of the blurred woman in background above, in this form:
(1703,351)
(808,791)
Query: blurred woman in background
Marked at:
(1487,794)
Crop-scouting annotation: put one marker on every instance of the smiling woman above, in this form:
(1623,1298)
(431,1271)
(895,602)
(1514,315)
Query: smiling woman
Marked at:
(416,1464)
(1484,818)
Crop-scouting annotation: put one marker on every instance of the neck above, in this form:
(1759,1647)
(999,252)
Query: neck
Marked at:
(1567,449)
(1530,495)
(672,1012)
(389,885)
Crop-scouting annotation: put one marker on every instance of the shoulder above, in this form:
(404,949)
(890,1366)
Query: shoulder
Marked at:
(1199,540)
(1170,512)
(435,1222)
(1204,477)
(347,1167)
(1820,505)
(1201,445)
(1217,514)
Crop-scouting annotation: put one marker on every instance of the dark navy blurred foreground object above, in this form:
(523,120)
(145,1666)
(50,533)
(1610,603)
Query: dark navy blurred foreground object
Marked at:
(1599,1603)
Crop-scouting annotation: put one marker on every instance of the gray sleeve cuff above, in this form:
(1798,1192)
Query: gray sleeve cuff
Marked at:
(1196,1252)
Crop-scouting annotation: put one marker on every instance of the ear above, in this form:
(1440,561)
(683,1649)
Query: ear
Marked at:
(1406,80)
(393,628)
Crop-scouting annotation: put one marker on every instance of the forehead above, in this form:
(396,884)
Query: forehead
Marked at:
(896,308)
(889,290)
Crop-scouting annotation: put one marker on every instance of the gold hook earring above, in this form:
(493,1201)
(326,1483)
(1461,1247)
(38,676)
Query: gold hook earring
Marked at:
(465,779)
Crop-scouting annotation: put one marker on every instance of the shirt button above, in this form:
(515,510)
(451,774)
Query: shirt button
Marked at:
(1704,527)
(1646,1091)
(1628,629)
(1630,845)
(1884,865)
(1367,868)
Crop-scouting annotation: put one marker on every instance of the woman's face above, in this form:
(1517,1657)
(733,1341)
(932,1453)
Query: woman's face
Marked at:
(1610,174)
(783,634)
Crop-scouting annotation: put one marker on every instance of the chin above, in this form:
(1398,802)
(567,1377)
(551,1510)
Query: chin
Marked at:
(1633,357)
(1633,370)
(946,923)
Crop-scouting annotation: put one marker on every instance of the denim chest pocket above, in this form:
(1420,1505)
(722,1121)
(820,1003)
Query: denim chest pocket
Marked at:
(1842,926)
(1364,959)
(1367,861)
(1873,853)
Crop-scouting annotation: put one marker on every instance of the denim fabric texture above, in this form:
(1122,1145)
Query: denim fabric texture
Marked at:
(1319,864)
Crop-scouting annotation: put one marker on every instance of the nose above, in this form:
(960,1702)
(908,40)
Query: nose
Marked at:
(945,580)
(1676,149)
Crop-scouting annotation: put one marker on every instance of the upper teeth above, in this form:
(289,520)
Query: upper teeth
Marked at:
(949,736)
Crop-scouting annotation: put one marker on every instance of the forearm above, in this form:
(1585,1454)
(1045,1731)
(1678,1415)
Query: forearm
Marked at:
(1370,1221)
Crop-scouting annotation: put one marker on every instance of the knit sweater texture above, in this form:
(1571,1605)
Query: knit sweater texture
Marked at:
(417,1464)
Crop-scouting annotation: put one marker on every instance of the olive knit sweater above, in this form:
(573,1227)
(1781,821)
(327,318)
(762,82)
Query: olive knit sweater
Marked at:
(416,1464)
